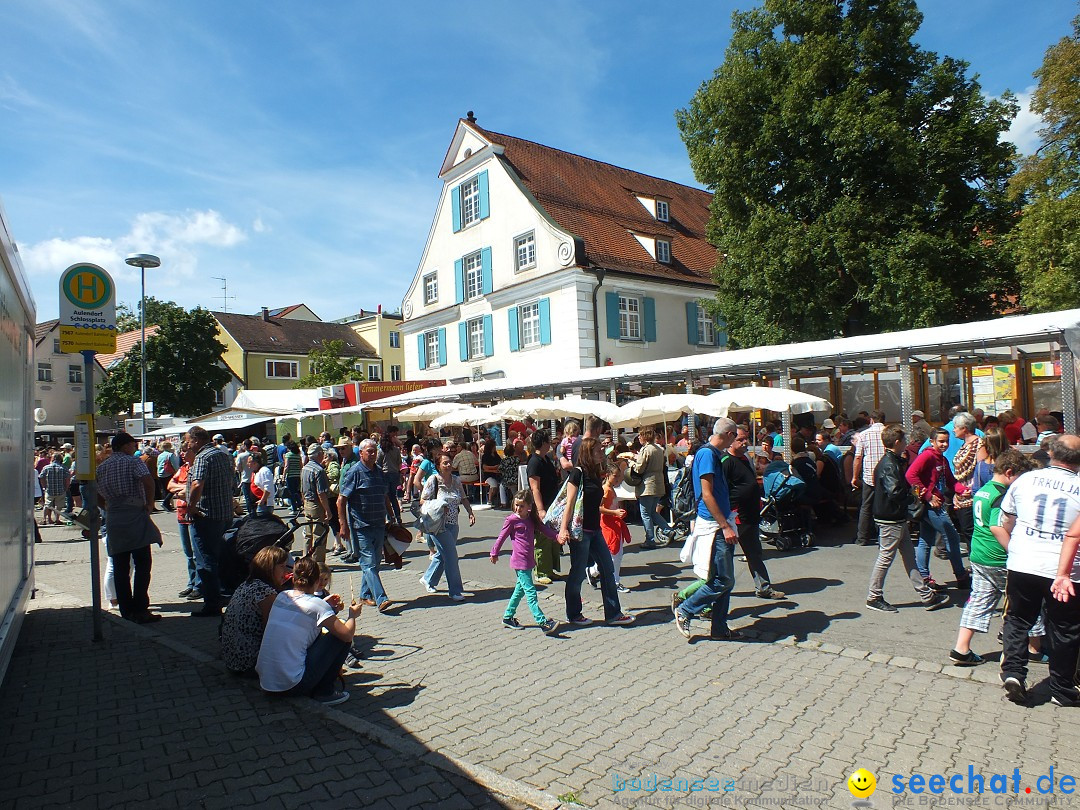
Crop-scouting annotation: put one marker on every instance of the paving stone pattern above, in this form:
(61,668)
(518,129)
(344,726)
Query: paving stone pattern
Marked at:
(785,718)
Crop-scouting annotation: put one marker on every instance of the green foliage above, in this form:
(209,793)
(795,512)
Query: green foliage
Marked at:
(127,316)
(859,182)
(327,366)
(182,367)
(1047,240)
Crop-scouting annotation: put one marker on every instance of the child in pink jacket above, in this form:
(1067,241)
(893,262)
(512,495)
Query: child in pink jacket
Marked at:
(520,527)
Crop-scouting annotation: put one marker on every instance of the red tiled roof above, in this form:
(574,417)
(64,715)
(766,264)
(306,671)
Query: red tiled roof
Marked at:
(281,312)
(288,336)
(125,341)
(41,330)
(596,202)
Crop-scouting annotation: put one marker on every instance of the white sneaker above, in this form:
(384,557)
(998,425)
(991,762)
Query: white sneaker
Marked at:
(424,582)
(461,597)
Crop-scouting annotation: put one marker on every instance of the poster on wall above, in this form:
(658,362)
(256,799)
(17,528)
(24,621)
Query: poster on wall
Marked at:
(1046,369)
(993,388)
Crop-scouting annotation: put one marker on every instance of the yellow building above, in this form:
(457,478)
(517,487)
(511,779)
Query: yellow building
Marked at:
(269,351)
(382,331)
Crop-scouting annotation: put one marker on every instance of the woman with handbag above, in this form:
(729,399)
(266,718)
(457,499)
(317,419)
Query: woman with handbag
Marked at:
(577,507)
(444,487)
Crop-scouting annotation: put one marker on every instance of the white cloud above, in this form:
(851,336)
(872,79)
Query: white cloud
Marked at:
(259,226)
(177,238)
(1024,131)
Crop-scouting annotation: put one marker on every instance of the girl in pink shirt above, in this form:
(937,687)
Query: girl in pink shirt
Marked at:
(521,527)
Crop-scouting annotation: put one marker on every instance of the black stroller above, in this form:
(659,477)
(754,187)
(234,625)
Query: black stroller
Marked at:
(246,537)
(784,521)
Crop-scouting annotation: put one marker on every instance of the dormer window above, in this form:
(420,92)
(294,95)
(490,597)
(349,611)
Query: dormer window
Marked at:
(661,211)
(663,251)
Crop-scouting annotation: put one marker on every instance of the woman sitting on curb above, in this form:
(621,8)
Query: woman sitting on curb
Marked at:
(296,657)
(246,615)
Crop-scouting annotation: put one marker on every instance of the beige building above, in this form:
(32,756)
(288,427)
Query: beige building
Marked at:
(59,388)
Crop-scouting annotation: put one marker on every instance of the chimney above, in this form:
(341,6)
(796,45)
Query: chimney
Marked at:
(266,314)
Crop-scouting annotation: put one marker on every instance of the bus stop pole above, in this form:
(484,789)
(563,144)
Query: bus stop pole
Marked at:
(89,493)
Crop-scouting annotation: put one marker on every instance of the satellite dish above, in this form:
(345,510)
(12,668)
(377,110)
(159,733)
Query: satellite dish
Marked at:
(40,416)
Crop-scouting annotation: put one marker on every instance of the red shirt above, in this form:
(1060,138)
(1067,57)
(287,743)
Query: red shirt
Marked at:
(181,477)
(1014,431)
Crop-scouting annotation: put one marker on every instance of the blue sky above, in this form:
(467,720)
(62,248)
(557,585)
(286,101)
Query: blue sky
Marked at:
(293,147)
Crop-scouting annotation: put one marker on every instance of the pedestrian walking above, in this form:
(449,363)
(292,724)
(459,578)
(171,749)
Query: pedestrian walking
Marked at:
(521,528)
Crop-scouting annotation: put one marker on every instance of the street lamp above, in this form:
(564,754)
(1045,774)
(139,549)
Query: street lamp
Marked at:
(142,261)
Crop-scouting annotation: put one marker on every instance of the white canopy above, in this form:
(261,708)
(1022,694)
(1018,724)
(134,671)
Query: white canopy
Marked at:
(429,410)
(761,398)
(662,408)
(555,408)
(463,417)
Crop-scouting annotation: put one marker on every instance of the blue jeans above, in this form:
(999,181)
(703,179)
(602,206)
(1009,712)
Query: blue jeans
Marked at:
(207,537)
(367,545)
(325,657)
(445,561)
(591,544)
(717,588)
(185,544)
(649,517)
(250,501)
(393,481)
(935,521)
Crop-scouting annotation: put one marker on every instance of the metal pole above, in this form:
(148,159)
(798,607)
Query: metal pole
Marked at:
(89,493)
(142,347)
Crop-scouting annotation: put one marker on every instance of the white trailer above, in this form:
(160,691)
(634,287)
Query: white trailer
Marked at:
(17,319)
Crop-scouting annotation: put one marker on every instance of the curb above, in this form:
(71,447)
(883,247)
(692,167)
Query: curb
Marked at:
(481,775)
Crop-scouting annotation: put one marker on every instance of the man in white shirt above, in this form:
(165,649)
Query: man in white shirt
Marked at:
(1037,511)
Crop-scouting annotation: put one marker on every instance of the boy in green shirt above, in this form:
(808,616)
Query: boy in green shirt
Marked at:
(988,554)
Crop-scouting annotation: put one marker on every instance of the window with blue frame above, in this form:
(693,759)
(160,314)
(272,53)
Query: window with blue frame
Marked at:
(530,325)
(469,202)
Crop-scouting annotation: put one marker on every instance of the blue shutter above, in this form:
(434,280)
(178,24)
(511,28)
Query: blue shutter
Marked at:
(691,322)
(545,321)
(455,204)
(721,332)
(463,341)
(459,281)
(612,315)
(512,317)
(482,183)
(485,270)
(489,339)
(650,319)
(423,353)
(442,346)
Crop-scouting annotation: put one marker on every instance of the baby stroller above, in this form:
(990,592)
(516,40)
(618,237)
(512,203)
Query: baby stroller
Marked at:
(683,505)
(247,537)
(784,522)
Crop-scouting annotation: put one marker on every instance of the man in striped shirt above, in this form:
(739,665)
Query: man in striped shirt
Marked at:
(54,479)
(869,450)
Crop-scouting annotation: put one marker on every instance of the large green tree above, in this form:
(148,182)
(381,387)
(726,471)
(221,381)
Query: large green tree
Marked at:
(183,367)
(327,366)
(859,181)
(127,315)
(1047,239)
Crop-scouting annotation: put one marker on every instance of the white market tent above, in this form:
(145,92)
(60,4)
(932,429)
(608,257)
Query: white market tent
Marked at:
(992,341)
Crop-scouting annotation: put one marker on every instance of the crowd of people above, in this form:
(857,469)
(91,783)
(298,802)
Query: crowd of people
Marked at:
(959,490)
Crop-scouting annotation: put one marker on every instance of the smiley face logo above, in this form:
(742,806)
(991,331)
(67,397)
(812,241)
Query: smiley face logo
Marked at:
(862,784)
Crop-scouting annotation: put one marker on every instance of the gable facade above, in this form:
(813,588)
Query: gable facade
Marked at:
(537,255)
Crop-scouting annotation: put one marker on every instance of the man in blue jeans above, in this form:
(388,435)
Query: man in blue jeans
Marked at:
(210,506)
(714,531)
(363,503)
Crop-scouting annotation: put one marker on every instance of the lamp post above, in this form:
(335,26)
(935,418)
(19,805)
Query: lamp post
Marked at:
(142,261)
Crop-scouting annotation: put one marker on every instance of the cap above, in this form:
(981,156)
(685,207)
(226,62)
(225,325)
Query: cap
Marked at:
(67,446)
(828,424)
(918,413)
(121,439)
(218,436)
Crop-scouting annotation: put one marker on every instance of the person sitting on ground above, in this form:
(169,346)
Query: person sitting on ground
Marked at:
(296,657)
(247,611)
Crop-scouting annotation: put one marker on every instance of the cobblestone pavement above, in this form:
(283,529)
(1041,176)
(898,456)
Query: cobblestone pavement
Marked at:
(826,688)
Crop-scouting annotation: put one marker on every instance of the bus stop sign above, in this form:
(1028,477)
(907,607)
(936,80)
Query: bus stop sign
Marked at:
(87,310)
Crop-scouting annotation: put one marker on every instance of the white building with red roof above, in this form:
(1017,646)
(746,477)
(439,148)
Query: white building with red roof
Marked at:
(536,255)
